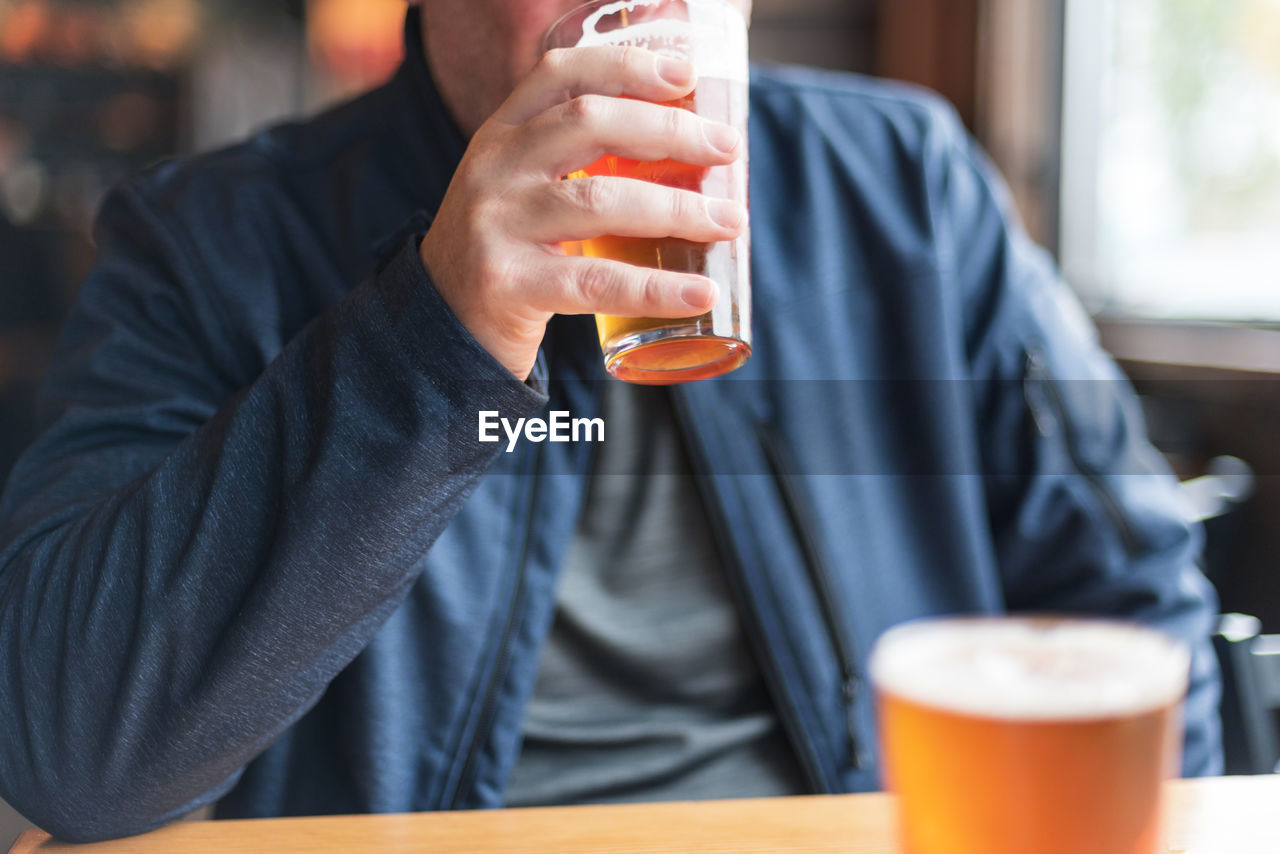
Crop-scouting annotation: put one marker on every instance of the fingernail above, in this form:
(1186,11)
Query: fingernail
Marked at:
(677,72)
(698,293)
(722,137)
(725,213)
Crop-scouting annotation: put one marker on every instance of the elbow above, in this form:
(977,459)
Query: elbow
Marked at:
(83,804)
(86,816)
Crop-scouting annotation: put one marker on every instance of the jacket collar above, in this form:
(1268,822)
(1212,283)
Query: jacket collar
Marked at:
(430,142)
(424,145)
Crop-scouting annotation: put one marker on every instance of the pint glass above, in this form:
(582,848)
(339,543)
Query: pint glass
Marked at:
(1029,736)
(712,34)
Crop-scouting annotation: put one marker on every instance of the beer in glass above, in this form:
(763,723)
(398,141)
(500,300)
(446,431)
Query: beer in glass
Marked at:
(1029,735)
(712,34)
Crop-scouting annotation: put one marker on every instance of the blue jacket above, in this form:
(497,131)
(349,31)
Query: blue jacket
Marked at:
(259,555)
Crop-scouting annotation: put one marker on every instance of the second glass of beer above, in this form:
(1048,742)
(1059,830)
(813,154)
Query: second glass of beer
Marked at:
(712,34)
(1029,736)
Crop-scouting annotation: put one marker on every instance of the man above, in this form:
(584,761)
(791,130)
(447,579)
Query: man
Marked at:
(258,556)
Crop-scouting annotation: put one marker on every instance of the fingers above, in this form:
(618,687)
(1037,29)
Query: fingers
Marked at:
(593,285)
(494,247)
(576,133)
(562,75)
(583,208)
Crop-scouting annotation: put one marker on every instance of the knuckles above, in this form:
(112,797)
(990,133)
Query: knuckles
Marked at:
(591,194)
(593,283)
(586,111)
(651,292)
(494,275)
(627,60)
(678,124)
(553,62)
(687,207)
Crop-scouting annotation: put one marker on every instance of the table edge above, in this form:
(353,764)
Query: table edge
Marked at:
(29,841)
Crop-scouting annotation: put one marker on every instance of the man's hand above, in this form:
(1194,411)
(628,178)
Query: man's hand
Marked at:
(493,250)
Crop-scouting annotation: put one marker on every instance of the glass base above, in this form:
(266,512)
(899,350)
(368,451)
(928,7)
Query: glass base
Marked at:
(670,355)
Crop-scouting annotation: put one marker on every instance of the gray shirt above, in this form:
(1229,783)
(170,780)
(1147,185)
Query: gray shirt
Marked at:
(647,689)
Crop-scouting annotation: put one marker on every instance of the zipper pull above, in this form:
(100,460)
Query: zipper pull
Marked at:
(858,757)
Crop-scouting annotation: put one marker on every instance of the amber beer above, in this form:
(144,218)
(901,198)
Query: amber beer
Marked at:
(1013,736)
(653,350)
(712,35)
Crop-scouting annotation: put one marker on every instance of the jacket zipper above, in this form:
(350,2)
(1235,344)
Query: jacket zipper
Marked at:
(490,704)
(804,522)
(1037,376)
(489,708)
(773,678)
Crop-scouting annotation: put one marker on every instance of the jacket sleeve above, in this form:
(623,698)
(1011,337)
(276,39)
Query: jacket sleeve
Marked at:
(1085,514)
(185,566)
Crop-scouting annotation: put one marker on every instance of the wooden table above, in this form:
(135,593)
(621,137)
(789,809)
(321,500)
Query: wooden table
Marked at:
(1227,815)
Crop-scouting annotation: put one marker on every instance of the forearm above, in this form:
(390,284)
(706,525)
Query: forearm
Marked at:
(155,637)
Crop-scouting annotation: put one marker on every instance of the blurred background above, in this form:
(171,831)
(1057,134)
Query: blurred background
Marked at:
(1140,139)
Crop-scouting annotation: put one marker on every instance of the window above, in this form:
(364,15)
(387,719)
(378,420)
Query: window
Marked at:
(1171,157)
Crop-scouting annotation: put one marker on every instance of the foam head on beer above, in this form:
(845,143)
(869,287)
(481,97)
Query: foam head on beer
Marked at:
(1034,669)
(709,33)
